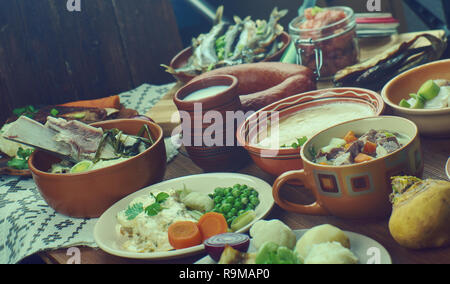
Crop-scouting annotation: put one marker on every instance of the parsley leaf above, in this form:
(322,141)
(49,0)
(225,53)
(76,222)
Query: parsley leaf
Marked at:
(28,111)
(134,210)
(54,112)
(300,142)
(151,210)
(20,162)
(161,197)
(154,209)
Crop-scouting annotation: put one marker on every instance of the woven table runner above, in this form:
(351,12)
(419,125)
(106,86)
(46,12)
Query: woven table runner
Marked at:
(28,225)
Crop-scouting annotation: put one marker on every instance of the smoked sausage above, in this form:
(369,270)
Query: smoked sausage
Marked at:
(264,83)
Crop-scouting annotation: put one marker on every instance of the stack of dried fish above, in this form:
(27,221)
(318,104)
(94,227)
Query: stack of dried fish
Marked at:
(377,71)
(246,41)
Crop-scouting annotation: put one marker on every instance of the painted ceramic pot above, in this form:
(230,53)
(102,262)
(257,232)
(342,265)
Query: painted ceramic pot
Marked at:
(208,126)
(280,160)
(431,122)
(89,194)
(358,190)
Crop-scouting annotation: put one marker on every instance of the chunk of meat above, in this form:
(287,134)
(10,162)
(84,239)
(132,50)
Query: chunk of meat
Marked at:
(83,139)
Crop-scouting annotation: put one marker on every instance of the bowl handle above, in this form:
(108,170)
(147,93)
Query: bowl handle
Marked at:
(313,209)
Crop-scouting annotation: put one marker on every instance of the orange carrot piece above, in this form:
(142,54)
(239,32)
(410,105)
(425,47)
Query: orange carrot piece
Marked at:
(361,158)
(370,148)
(184,234)
(350,137)
(211,224)
(108,102)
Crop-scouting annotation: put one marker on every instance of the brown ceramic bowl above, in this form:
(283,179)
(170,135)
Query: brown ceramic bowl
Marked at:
(198,118)
(89,194)
(359,190)
(431,122)
(182,58)
(281,160)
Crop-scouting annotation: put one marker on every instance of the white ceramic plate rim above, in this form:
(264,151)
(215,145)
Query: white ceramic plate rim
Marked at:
(447,168)
(266,205)
(358,243)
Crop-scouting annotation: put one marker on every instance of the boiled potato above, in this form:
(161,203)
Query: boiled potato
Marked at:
(421,213)
(330,253)
(272,231)
(320,234)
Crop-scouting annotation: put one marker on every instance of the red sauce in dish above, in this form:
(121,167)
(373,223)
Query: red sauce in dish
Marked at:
(332,31)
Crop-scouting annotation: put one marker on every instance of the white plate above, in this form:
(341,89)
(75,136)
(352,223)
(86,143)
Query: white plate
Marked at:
(367,250)
(105,233)
(447,169)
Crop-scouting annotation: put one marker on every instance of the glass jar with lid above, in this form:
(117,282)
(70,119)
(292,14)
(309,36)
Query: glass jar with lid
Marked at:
(326,40)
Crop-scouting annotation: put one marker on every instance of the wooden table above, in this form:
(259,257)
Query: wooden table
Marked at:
(436,153)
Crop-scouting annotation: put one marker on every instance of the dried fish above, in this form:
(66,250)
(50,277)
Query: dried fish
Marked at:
(246,41)
(377,71)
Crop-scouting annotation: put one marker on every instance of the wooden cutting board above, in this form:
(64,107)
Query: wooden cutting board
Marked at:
(165,112)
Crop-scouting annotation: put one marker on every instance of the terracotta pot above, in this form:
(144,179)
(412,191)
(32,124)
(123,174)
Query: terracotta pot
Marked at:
(208,137)
(431,122)
(358,190)
(278,161)
(89,194)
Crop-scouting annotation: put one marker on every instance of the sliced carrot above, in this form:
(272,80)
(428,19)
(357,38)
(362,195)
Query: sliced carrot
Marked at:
(361,158)
(108,102)
(184,234)
(211,224)
(370,148)
(350,137)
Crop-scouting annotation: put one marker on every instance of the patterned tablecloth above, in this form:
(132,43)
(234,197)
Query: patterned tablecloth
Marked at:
(28,225)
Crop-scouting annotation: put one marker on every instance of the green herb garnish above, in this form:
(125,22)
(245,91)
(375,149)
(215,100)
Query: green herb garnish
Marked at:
(28,111)
(151,210)
(54,112)
(300,142)
(134,210)
(20,162)
(312,152)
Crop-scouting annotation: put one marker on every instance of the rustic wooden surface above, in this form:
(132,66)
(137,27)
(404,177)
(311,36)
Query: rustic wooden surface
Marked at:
(49,55)
(436,153)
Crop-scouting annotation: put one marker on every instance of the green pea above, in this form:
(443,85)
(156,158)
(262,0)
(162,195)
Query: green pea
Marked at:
(225,208)
(237,204)
(219,191)
(240,212)
(250,206)
(236,192)
(227,190)
(233,211)
(244,186)
(229,215)
(244,200)
(254,201)
(218,199)
(229,199)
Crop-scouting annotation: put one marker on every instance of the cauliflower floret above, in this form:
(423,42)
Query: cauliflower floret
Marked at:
(198,201)
(272,231)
